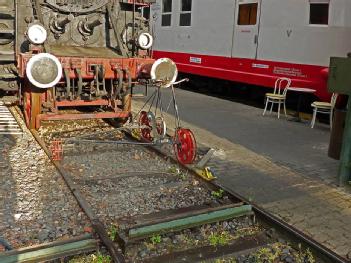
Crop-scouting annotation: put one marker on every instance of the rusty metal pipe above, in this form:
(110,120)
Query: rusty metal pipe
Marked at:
(89,25)
(60,22)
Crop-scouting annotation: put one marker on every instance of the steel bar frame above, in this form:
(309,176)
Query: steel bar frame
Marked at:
(80,116)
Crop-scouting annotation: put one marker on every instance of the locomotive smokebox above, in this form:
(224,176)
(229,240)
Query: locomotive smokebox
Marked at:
(163,71)
(44,70)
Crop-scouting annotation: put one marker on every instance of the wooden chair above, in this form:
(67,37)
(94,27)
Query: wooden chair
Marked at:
(324,108)
(278,96)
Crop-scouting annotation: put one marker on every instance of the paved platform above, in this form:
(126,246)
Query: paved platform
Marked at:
(280,165)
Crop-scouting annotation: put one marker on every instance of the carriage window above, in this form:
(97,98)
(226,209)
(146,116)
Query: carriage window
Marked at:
(319,14)
(247,14)
(185,13)
(166,13)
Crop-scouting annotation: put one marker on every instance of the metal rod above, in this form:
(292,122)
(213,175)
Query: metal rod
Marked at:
(111,142)
(175,107)
(133,30)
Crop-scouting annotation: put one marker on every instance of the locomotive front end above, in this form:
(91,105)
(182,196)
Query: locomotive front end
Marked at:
(81,53)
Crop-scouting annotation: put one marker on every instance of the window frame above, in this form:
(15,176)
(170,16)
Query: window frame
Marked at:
(256,20)
(166,13)
(181,12)
(320,2)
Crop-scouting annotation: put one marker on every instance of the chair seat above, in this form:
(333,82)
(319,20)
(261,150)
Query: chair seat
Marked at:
(320,104)
(275,96)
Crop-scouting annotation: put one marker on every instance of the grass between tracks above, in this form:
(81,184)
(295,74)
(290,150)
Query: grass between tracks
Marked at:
(92,258)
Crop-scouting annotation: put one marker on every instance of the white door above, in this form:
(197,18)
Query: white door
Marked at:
(246,28)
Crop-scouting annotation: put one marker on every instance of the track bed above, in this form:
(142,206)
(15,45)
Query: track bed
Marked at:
(36,205)
(131,188)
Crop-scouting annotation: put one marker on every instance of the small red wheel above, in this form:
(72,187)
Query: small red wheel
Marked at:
(185,146)
(144,121)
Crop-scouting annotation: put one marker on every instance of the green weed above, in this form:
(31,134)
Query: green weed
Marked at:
(173,170)
(177,171)
(92,258)
(217,194)
(112,232)
(156,239)
(219,239)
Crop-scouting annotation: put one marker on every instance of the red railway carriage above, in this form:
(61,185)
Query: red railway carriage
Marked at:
(254,41)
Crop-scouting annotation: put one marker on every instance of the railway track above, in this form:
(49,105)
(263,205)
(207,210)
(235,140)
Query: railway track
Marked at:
(8,123)
(144,207)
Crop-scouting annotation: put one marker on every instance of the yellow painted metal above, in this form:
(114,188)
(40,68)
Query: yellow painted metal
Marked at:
(136,134)
(205,173)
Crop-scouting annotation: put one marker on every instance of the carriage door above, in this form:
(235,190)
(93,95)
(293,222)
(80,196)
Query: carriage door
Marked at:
(246,28)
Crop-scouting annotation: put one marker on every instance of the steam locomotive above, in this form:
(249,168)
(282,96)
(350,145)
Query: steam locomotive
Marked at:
(73,53)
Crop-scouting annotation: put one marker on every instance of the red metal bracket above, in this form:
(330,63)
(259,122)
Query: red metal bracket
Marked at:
(56,150)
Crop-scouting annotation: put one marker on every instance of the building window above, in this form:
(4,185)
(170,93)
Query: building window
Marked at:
(185,13)
(166,13)
(247,14)
(319,13)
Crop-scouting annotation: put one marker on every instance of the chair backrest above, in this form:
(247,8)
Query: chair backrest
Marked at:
(333,99)
(281,85)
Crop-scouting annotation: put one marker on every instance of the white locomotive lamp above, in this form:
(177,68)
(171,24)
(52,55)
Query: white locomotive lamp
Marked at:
(37,34)
(44,70)
(340,82)
(145,41)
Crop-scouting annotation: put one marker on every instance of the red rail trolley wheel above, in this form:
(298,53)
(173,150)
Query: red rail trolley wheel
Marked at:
(185,146)
(144,121)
